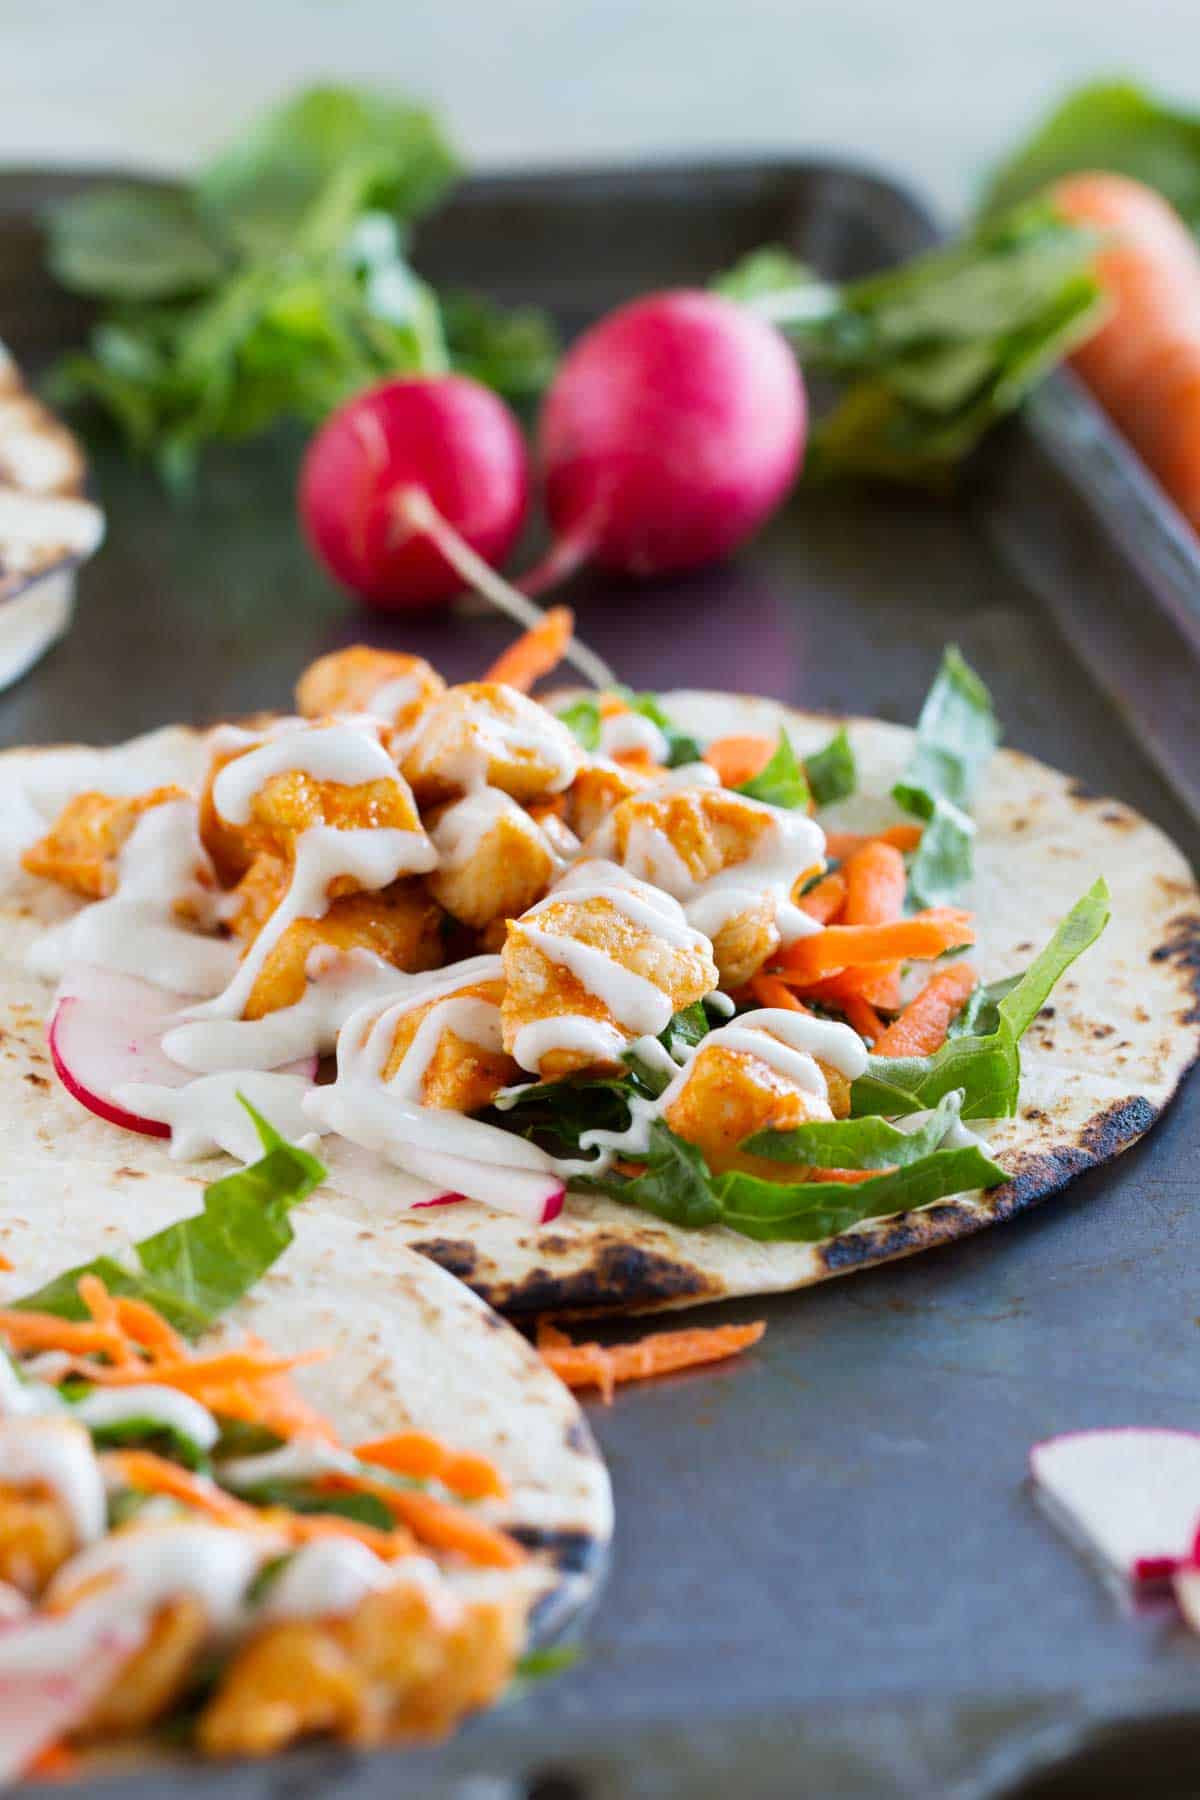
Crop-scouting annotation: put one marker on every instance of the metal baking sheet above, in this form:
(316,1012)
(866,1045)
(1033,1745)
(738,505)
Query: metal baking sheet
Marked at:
(829,1576)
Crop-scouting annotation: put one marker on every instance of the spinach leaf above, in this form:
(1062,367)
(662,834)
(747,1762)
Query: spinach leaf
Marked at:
(150,1433)
(956,734)
(782,782)
(864,1143)
(1111,125)
(984,1063)
(832,772)
(198,1268)
(676,1185)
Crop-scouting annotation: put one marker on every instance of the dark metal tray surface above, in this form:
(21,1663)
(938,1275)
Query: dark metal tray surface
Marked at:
(829,1576)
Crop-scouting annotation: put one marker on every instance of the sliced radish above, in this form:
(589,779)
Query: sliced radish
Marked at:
(106,1033)
(438,1200)
(526,1193)
(52,1670)
(1130,1496)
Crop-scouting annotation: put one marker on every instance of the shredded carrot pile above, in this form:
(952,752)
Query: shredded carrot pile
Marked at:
(876,882)
(768,990)
(661,1353)
(739,758)
(250,1382)
(824,901)
(535,654)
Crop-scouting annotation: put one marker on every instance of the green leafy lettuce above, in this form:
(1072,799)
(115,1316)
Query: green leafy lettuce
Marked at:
(832,772)
(198,1268)
(956,734)
(782,781)
(927,356)
(1111,125)
(984,1062)
(277,284)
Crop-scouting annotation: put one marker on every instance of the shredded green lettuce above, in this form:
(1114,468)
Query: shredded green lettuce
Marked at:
(985,1063)
(956,734)
(863,1143)
(195,1270)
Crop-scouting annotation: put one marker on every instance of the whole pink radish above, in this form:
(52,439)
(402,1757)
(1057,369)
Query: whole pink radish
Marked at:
(673,429)
(448,440)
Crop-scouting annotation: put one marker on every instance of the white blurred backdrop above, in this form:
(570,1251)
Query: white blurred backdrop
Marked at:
(932,89)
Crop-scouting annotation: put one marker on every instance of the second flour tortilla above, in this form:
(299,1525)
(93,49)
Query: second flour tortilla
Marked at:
(1100,1063)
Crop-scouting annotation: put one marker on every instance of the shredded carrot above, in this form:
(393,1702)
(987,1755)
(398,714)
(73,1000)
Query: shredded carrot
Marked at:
(103,1309)
(921,1028)
(841,844)
(155,1474)
(535,654)
(768,990)
(661,1353)
(920,938)
(303,1528)
(863,1017)
(739,758)
(426,1458)
(46,1331)
(5,1264)
(54,1762)
(850,1177)
(876,883)
(149,1329)
(824,901)
(438,1523)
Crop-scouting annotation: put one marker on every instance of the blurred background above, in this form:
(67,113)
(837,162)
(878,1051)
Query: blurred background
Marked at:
(933,89)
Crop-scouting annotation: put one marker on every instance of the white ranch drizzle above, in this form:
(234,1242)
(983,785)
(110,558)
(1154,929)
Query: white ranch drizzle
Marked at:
(137,931)
(463,827)
(393,696)
(56,1453)
(157,1562)
(792,844)
(347,753)
(334,1575)
(149,1400)
(300,1459)
(625,732)
(25,1398)
(463,748)
(791,1043)
(637,1007)
(389,1116)
(207,1115)
(959,1136)
(339,983)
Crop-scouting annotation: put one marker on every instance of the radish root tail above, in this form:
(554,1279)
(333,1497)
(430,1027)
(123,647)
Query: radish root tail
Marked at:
(414,508)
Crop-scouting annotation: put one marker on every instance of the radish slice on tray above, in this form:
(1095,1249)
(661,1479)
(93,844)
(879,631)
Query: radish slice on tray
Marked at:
(106,1034)
(1130,1496)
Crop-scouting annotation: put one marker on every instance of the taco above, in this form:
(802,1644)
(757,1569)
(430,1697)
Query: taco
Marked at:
(663,999)
(257,1485)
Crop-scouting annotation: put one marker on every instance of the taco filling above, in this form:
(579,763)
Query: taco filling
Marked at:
(500,946)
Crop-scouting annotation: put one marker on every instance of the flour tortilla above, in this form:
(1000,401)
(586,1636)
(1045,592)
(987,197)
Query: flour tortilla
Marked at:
(1100,1064)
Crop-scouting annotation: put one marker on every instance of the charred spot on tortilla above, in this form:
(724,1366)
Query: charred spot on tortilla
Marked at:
(457,1256)
(574,1552)
(617,1275)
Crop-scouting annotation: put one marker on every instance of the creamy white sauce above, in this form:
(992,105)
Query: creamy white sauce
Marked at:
(151,1564)
(340,982)
(23,1398)
(790,1043)
(623,733)
(300,1459)
(345,754)
(390,700)
(791,845)
(206,1115)
(636,1006)
(138,929)
(461,742)
(165,1405)
(959,1136)
(465,826)
(334,1575)
(57,1454)
(373,859)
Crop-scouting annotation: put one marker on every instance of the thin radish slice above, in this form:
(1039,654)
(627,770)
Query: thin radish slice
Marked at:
(438,1200)
(106,1034)
(1130,1496)
(526,1193)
